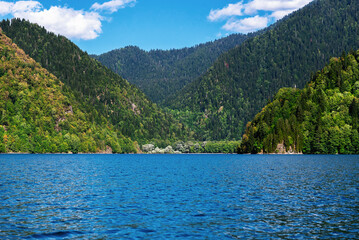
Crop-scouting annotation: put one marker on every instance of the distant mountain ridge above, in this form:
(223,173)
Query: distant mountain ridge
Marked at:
(244,79)
(162,73)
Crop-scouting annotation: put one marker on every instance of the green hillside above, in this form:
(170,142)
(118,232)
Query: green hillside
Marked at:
(161,73)
(321,118)
(37,116)
(102,93)
(243,80)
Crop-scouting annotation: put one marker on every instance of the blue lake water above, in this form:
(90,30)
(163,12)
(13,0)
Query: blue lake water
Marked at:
(179,196)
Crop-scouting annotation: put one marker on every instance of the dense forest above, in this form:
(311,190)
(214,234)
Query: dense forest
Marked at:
(162,73)
(37,117)
(101,92)
(322,118)
(218,105)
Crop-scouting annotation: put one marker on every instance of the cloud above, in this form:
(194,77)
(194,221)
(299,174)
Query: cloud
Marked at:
(5,7)
(112,6)
(273,10)
(74,24)
(230,10)
(274,5)
(20,6)
(246,25)
(280,14)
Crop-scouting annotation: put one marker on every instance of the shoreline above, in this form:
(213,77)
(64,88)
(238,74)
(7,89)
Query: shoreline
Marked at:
(261,154)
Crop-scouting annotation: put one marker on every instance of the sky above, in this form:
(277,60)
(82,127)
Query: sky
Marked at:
(98,26)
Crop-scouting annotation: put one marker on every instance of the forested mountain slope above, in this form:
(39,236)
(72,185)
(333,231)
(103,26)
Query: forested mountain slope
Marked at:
(242,80)
(321,118)
(37,116)
(104,93)
(161,73)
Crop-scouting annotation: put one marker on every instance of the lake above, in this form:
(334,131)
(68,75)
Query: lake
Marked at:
(179,196)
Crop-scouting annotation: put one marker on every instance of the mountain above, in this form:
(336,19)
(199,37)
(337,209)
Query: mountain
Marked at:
(161,73)
(37,116)
(219,104)
(103,93)
(322,118)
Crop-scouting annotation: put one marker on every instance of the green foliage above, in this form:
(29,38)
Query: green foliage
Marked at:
(37,117)
(320,119)
(161,73)
(245,78)
(99,91)
(221,147)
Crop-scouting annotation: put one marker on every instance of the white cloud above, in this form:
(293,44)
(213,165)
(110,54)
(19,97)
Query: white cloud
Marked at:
(274,10)
(274,5)
(246,25)
(74,24)
(19,6)
(112,6)
(25,6)
(280,14)
(5,7)
(230,10)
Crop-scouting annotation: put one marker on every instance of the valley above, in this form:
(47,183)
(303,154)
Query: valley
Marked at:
(210,93)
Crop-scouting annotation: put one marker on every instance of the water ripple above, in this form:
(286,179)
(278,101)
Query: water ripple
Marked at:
(178,196)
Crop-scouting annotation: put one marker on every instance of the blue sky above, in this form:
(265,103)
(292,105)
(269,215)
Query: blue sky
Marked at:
(98,26)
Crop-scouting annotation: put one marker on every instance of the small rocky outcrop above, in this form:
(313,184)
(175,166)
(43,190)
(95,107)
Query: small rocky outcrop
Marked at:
(281,149)
(148,148)
(168,149)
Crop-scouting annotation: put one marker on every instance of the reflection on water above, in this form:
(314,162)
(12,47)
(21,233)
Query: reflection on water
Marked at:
(179,196)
